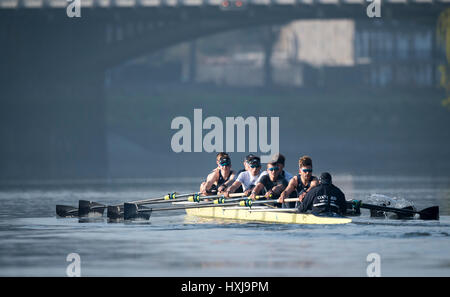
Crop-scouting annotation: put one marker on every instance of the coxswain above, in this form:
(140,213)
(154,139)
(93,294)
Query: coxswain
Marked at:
(325,198)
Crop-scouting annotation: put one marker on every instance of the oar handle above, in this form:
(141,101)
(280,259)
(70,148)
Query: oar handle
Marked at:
(198,197)
(169,196)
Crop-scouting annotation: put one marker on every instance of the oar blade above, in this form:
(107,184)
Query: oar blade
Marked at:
(405,216)
(114,212)
(131,211)
(90,209)
(66,211)
(430,213)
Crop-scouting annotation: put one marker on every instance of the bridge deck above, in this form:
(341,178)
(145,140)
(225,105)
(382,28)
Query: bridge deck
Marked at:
(12,4)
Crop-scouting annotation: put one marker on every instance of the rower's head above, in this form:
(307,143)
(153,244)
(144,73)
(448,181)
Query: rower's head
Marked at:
(247,159)
(223,161)
(305,168)
(254,166)
(278,159)
(274,170)
(325,178)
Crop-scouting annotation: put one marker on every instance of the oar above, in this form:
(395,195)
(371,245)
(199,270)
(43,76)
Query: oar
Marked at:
(90,208)
(133,211)
(116,211)
(430,213)
(166,198)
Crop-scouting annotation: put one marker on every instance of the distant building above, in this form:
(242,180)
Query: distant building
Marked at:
(318,53)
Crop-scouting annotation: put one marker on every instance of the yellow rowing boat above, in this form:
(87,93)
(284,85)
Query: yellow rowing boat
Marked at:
(264,215)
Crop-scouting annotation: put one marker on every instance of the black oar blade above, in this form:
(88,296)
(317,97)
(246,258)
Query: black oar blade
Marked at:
(430,213)
(404,216)
(90,209)
(114,212)
(132,212)
(65,211)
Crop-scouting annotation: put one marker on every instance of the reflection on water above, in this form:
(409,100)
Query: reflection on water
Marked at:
(34,243)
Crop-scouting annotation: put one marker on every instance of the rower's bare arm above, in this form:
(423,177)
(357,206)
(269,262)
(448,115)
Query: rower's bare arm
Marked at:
(289,189)
(210,180)
(232,188)
(291,186)
(278,189)
(256,190)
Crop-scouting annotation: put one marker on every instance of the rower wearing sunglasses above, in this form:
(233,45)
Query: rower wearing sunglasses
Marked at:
(220,178)
(300,184)
(280,160)
(246,179)
(272,184)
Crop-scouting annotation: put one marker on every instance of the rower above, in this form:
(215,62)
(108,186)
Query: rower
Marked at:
(325,198)
(246,179)
(280,160)
(246,167)
(220,178)
(271,184)
(300,184)
(245,163)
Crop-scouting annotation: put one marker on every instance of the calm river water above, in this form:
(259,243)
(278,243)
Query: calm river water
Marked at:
(33,242)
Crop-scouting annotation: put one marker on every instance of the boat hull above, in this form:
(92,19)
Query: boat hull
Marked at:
(264,216)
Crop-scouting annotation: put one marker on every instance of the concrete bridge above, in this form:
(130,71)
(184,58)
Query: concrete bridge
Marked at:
(52,109)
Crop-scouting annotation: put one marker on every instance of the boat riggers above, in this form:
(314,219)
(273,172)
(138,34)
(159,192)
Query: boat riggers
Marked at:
(133,211)
(430,213)
(115,212)
(90,208)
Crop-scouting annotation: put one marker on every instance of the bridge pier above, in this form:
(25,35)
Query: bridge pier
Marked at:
(268,42)
(192,61)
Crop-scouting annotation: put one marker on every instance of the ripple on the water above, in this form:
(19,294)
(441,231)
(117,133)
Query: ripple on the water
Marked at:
(416,234)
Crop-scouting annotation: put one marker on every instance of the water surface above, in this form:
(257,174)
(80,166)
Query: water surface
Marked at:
(33,242)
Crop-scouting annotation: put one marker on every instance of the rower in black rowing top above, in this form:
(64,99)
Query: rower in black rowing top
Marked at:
(220,178)
(300,184)
(272,184)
